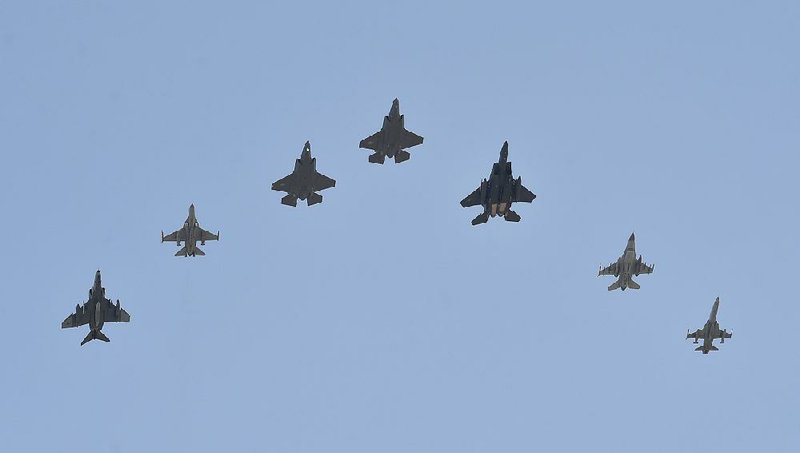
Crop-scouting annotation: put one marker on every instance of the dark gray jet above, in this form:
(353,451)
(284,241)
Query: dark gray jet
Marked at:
(709,332)
(626,267)
(304,181)
(498,192)
(96,311)
(392,139)
(190,233)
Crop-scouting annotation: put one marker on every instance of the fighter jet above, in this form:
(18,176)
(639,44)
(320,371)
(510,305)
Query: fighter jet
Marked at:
(392,139)
(709,332)
(190,233)
(626,267)
(304,181)
(96,311)
(498,192)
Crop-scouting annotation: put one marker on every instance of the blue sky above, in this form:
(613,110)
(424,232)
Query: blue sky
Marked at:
(381,320)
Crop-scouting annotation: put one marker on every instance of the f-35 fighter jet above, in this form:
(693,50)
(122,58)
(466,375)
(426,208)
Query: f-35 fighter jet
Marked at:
(626,267)
(190,233)
(392,139)
(498,192)
(96,311)
(709,332)
(304,181)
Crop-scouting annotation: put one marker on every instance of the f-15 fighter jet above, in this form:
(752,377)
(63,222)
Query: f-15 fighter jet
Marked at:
(626,267)
(304,181)
(392,139)
(709,332)
(498,192)
(190,233)
(96,311)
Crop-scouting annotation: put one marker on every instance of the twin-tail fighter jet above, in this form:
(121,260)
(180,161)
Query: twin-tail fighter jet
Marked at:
(392,139)
(304,181)
(709,332)
(190,233)
(96,311)
(497,193)
(626,267)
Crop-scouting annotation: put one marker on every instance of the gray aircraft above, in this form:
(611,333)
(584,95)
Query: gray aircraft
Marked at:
(304,181)
(626,267)
(497,193)
(392,139)
(190,233)
(709,332)
(96,311)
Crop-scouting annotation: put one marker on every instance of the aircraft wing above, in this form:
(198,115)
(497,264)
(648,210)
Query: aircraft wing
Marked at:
(371,142)
(611,269)
(174,236)
(523,194)
(696,334)
(284,184)
(114,314)
(409,139)
(724,334)
(322,182)
(472,199)
(208,236)
(645,269)
(75,320)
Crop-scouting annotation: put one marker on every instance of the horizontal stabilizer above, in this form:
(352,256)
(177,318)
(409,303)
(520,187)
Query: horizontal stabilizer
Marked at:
(512,216)
(401,156)
(614,286)
(289,200)
(313,199)
(181,252)
(199,252)
(633,285)
(95,335)
(377,158)
(482,218)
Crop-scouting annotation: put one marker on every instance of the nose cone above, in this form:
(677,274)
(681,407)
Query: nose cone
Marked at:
(632,238)
(504,152)
(97,278)
(306,154)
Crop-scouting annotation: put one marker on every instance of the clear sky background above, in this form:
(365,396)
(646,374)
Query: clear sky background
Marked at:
(381,320)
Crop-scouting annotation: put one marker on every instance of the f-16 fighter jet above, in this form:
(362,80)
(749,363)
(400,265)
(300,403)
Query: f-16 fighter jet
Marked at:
(304,181)
(392,139)
(190,233)
(626,267)
(498,192)
(96,311)
(709,332)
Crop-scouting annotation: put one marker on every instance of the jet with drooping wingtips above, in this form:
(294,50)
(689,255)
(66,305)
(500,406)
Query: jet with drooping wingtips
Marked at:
(626,267)
(96,312)
(304,181)
(392,139)
(497,193)
(190,233)
(709,332)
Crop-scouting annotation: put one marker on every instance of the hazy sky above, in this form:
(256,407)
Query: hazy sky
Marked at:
(381,320)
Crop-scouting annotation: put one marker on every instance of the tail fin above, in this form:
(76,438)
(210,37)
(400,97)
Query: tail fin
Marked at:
(181,252)
(633,285)
(401,156)
(95,335)
(614,286)
(511,216)
(314,198)
(377,158)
